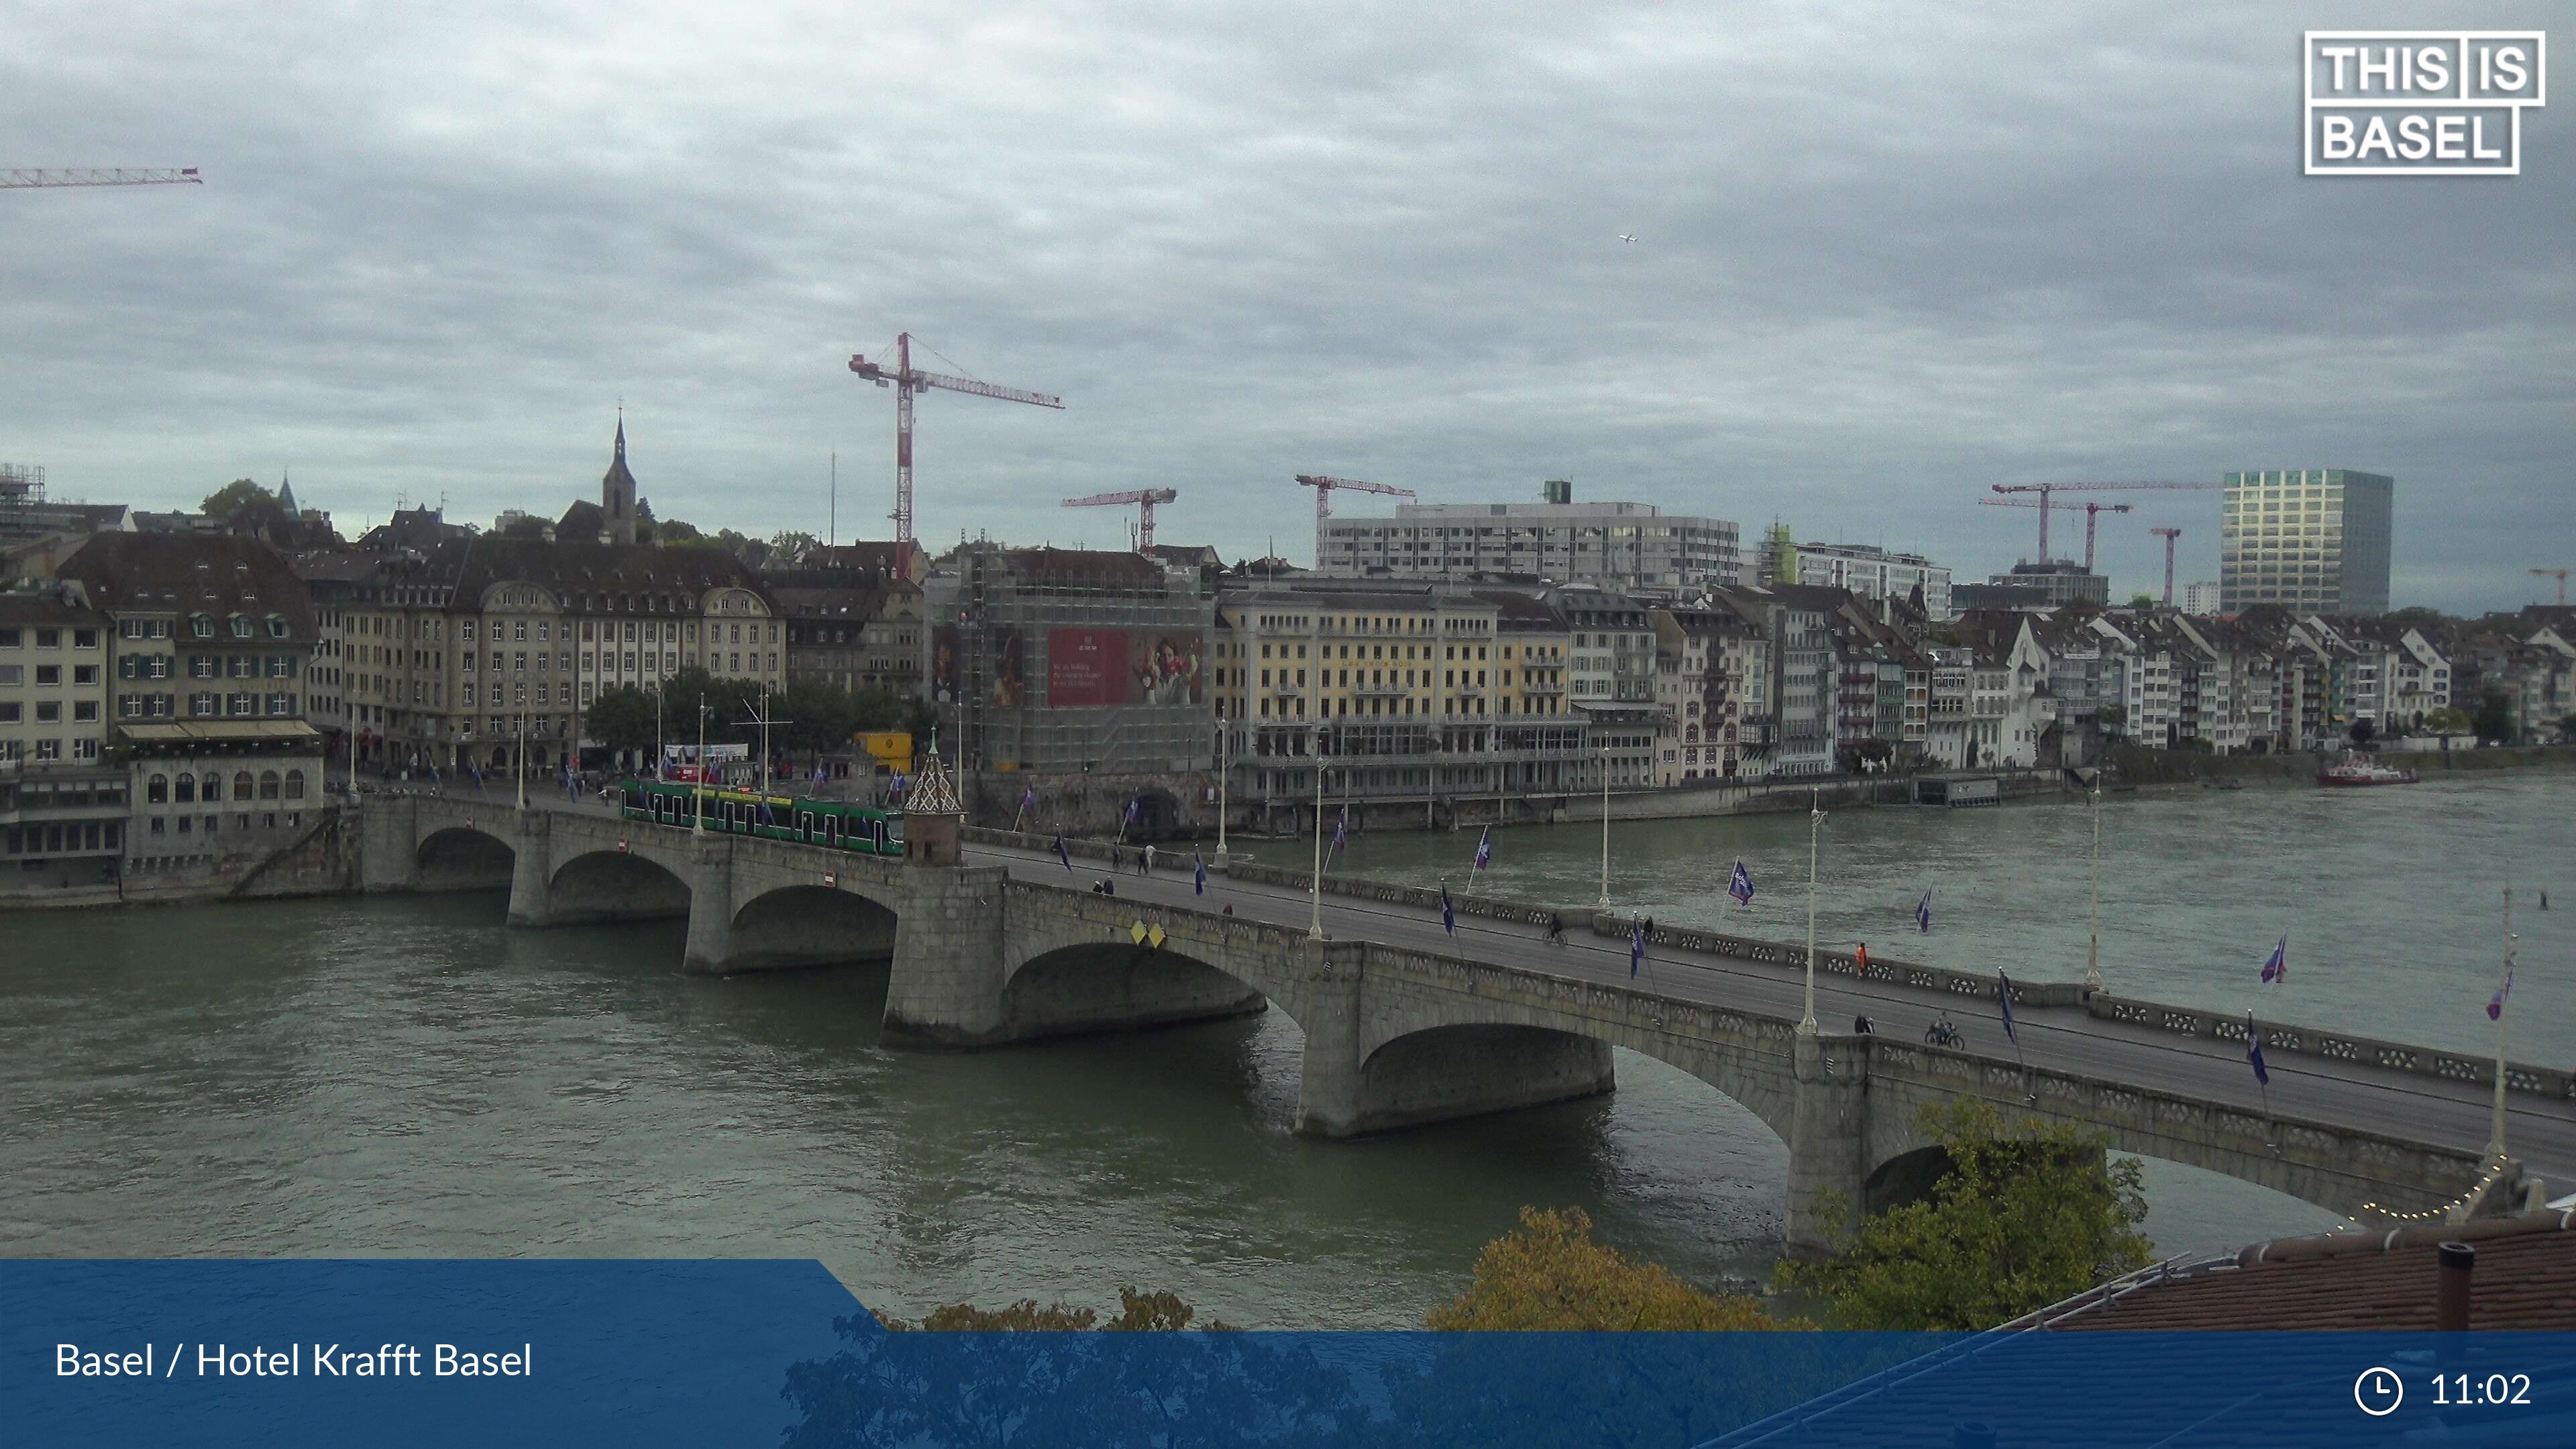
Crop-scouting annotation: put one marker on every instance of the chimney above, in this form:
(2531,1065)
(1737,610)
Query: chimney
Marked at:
(2451,1298)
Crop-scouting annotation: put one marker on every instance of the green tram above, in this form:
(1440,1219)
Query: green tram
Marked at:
(832,824)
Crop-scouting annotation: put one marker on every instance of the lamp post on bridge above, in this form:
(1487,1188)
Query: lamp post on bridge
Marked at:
(1605,827)
(519,766)
(2093,944)
(2503,1003)
(1815,834)
(1224,764)
(1315,883)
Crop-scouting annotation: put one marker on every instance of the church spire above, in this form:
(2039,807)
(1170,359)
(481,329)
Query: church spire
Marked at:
(617,491)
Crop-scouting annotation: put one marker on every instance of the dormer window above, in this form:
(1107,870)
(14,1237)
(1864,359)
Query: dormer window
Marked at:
(277,626)
(201,626)
(241,626)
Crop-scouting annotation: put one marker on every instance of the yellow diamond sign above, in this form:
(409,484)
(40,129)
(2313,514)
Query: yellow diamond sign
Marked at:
(1136,933)
(1156,936)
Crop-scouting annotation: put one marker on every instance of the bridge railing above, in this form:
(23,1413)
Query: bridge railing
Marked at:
(2340,1046)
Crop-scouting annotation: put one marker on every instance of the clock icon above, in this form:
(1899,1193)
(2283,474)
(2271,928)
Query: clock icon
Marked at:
(2378,1391)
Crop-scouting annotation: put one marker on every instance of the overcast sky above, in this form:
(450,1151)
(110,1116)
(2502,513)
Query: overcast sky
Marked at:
(1887,256)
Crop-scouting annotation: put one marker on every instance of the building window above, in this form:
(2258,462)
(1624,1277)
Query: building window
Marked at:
(156,791)
(295,784)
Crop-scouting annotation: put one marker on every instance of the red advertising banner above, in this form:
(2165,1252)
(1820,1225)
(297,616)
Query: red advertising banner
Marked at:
(1086,667)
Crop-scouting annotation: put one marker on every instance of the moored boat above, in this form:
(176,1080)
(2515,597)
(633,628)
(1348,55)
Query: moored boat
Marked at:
(2356,769)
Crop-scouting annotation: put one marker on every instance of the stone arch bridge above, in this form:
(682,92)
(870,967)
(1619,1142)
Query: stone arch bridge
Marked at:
(1395,1035)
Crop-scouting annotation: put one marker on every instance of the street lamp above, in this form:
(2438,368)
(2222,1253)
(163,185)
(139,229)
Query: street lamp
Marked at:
(1815,833)
(520,765)
(698,786)
(1605,827)
(2093,945)
(2503,1002)
(1224,763)
(1315,883)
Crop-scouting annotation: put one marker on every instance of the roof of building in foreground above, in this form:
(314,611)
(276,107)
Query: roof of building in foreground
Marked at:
(2525,1279)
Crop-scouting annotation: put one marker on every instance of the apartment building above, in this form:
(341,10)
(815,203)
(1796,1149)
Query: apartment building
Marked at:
(1558,540)
(62,805)
(2312,540)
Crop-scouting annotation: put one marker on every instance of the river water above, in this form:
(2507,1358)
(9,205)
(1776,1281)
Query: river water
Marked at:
(407,1076)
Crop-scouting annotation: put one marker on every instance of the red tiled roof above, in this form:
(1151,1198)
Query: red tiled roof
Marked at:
(2525,1279)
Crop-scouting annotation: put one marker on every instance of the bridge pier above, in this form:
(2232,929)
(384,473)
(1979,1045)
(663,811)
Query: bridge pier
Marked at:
(532,869)
(945,989)
(1828,1143)
(389,844)
(710,951)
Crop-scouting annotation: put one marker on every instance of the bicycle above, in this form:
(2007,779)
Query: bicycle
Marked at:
(1943,1034)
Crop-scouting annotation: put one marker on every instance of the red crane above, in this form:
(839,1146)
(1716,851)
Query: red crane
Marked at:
(1143,498)
(2091,511)
(906,380)
(1324,487)
(2561,576)
(2168,535)
(2045,489)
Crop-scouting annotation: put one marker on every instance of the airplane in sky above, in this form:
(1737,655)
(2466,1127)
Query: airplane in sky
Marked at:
(1627,236)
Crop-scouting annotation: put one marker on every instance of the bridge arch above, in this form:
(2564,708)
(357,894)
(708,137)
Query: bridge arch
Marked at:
(1504,1056)
(810,925)
(614,885)
(1113,985)
(463,858)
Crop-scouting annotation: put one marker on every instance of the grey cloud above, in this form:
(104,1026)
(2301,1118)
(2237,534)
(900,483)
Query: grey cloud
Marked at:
(1890,256)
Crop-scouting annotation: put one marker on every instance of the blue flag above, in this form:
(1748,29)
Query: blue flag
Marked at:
(1923,912)
(1340,829)
(2254,1052)
(1061,853)
(2495,1003)
(1131,809)
(1448,912)
(2277,967)
(1198,873)
(1485,848)
(1740,885)
(2003,994)
(1636,946)
(1029,798)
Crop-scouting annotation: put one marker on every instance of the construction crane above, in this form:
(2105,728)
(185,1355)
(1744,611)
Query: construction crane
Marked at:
(2168,535)
(906,380)
(1324,487)
(2091,510)
(2561,576)
(1143,498)
(2045,489)
(19,177)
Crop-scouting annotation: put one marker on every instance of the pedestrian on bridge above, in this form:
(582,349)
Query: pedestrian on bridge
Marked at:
(1149,860)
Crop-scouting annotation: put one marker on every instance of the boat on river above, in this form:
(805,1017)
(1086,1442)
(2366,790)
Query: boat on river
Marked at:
(2356,769)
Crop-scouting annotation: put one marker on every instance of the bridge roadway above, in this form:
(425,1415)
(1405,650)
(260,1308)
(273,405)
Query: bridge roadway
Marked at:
(2541,1131)
(992,941)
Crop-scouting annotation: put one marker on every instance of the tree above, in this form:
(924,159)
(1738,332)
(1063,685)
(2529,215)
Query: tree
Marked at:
(2363,732)
(233,497)
(673,530)
(2494,722)
(789,545)
(1548,1274)
(2029,1213)
(2113,717)
(2567,728)
(621,718)
(2142,601)
(2448,720)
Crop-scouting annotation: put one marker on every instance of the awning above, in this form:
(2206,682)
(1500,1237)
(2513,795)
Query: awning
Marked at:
(286,732)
